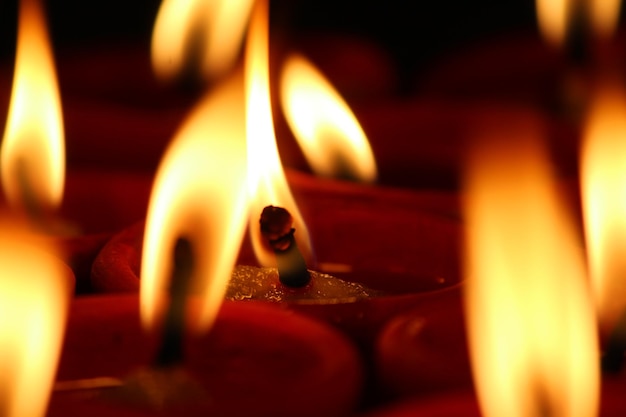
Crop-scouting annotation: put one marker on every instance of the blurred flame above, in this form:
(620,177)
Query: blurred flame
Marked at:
(199,194)
(33,307)
(532,332)
(326,129)
(605,16)
(267,182)
(556,17)
(603,178)
(552,16)
(207,33)
(33,149)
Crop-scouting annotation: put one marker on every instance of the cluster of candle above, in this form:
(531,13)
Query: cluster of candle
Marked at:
(381,318)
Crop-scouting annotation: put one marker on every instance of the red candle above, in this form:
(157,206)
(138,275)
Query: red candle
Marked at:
(455,404)
(94,206)
(380,236)
(257,360)
(100,201)
(378,232)
(424,350)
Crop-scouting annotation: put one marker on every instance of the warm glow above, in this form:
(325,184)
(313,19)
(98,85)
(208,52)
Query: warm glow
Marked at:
(605,15)
(267,182)
(556,17)
(34,295)
(329,134)
(33,149)
(603,178)
(552,16)
(532,330)
(207,33)
(199,193)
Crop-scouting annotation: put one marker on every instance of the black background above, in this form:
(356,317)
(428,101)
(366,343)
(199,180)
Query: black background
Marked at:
(412,31)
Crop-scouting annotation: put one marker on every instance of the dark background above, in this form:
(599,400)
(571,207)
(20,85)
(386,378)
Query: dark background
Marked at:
(412,31)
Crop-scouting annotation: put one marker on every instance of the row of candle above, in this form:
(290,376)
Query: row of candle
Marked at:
(319,383)
(481,257)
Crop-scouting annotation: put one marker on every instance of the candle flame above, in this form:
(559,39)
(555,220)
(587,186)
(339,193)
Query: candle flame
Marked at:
(33,149)
(605,16)
(532,332)
(552,16)
(603,176)
(328,132)
(199,194)
(33,307)
(267,182)
(198,32)
(556,17)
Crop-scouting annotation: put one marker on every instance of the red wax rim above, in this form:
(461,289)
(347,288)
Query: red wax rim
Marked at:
(256,360)
(424,350)
(452,404)
(392,239)
(79,253)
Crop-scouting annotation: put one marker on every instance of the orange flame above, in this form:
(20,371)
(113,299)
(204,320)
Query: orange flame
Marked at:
(555,17)
(214,28)
(267,182)
(199,194)
(532,331)
(605,16)
(34,296)
(552,16)
(33,149)
(326,129)
(603,176)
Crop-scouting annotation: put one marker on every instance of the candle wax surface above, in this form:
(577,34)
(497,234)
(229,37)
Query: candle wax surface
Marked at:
(254,283)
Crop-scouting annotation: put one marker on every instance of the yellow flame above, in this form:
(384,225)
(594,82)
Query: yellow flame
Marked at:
(556,17)
(328,132)
(603,177)
(33,307)
(532,331)
(208,33)
(33,149)
(267,182)
(199,194)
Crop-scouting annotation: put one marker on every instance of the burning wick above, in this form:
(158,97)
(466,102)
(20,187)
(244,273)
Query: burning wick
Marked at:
(577,37)
(171,352)
(166,383)
(40,215)
(31,204)
(276,228)
(613,356)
